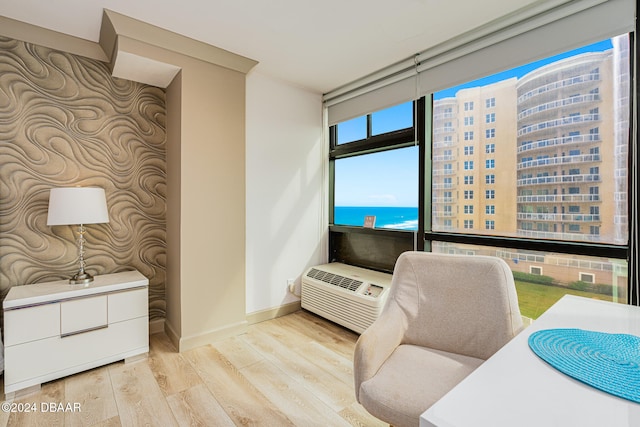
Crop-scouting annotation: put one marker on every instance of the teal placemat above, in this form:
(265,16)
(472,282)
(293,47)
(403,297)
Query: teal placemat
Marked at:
(609,362)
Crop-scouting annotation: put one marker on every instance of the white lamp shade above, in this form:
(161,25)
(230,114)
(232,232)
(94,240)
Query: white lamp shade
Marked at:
(77,205)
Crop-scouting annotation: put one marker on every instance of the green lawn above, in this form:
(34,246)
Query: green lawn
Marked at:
(534,299)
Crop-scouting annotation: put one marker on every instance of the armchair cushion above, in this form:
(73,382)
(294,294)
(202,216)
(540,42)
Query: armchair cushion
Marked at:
(411,380)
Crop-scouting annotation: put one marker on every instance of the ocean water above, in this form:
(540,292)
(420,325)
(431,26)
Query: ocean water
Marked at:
(386,217)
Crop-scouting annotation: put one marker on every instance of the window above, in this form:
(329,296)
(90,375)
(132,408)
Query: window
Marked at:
(360,179)
(392,119)
(587,277)
(384,121)
(550,192)
(352,130)
(535,270)
(382,182)
(549,169)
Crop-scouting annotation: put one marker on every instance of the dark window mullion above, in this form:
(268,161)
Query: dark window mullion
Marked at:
(387,141)
(573,248)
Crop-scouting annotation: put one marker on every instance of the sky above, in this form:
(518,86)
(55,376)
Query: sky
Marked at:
(390,178)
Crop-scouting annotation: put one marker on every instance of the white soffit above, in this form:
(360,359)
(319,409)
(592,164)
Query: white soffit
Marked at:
(144,70)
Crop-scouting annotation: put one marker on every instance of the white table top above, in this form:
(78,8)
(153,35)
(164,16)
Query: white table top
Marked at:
(516,388)
(40,293)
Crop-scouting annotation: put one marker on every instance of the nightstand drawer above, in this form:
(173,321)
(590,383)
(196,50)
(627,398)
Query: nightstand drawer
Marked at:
(128,305)
(31,323)
(83,314)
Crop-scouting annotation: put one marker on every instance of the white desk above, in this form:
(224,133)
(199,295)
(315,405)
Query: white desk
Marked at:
(516,388)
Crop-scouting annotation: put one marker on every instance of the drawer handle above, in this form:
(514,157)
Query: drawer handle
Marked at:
(69,334)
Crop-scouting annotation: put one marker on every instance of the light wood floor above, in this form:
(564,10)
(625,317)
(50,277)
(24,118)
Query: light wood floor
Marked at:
(292,371)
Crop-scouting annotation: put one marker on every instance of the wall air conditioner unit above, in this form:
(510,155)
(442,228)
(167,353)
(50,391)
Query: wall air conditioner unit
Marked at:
(350,296)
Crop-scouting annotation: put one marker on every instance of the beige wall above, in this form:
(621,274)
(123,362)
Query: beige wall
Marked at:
(205,182)
(174,171)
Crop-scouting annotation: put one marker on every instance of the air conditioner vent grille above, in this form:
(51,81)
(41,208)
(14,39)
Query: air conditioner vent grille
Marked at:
(335,279)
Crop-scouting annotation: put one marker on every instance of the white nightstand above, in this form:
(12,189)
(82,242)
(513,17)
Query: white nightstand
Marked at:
(54,329)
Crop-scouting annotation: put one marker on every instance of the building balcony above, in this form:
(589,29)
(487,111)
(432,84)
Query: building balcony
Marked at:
(442,214)
(441,172)
(443,144)
(557,104)
(558,217)
(443,130)
(559,123)
(443,116)
(567,140)
(558,179)
(442,185)
(552,161)
(444,158)
(576,237)
(571,82)
(557,198)
(440,200)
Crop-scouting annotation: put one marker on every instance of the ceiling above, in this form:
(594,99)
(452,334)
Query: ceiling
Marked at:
(317,45)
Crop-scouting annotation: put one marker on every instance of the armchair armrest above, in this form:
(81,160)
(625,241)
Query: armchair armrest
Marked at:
(376,344)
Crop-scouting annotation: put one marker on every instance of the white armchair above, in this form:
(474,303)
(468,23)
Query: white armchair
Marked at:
(445,315)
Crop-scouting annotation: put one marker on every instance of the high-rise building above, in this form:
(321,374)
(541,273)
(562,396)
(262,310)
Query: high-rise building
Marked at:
(541,156)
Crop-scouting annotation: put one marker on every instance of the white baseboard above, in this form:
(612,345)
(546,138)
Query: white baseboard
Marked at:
(209,337)
(187,343)
(272,313)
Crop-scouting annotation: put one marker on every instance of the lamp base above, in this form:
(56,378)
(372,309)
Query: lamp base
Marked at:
(81,278)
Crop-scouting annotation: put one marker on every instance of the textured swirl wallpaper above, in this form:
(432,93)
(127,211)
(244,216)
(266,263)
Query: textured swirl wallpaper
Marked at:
(64,121)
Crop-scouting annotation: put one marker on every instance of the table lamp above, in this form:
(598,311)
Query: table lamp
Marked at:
(78,206)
